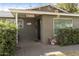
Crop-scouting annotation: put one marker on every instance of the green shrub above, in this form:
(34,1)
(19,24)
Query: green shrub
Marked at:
(7,38)
(68,36)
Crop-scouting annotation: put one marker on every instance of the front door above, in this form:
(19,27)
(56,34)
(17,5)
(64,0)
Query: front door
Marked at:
(29,31)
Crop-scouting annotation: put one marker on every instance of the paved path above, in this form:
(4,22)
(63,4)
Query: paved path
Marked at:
(31,48)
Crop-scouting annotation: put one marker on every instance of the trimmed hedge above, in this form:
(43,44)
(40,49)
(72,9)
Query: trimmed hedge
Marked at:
(68,36)
(7,38)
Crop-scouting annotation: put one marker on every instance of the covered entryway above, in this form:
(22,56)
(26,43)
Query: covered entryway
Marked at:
(29,28)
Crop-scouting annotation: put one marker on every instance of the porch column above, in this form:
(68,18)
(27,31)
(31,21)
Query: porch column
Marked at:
(58,16)
(16,18)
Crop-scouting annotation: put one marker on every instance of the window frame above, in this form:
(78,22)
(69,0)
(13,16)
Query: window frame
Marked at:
(62,19)
(21,22)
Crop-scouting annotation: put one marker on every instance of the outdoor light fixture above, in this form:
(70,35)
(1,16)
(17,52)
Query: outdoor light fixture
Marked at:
(29,23)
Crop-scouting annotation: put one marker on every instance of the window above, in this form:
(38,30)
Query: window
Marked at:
(21,23)
(61,23)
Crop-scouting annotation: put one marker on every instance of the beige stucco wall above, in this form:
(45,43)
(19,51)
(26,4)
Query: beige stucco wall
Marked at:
(76,22)
(47,25)
(46,28)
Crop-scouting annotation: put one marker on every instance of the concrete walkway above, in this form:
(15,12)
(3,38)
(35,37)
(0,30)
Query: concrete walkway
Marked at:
(32,48)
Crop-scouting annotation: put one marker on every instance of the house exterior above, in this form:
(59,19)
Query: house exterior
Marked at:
(40,23)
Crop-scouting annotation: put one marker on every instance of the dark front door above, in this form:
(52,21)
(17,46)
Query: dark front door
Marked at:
(38,29)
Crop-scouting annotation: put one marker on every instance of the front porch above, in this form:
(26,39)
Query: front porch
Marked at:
(31,48)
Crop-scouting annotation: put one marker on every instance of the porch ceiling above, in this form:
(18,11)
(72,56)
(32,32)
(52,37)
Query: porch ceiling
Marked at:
(25,15)
(22,15)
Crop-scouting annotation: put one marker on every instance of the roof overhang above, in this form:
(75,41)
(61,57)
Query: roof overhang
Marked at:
(41,12)
(51,5)
(7,13)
